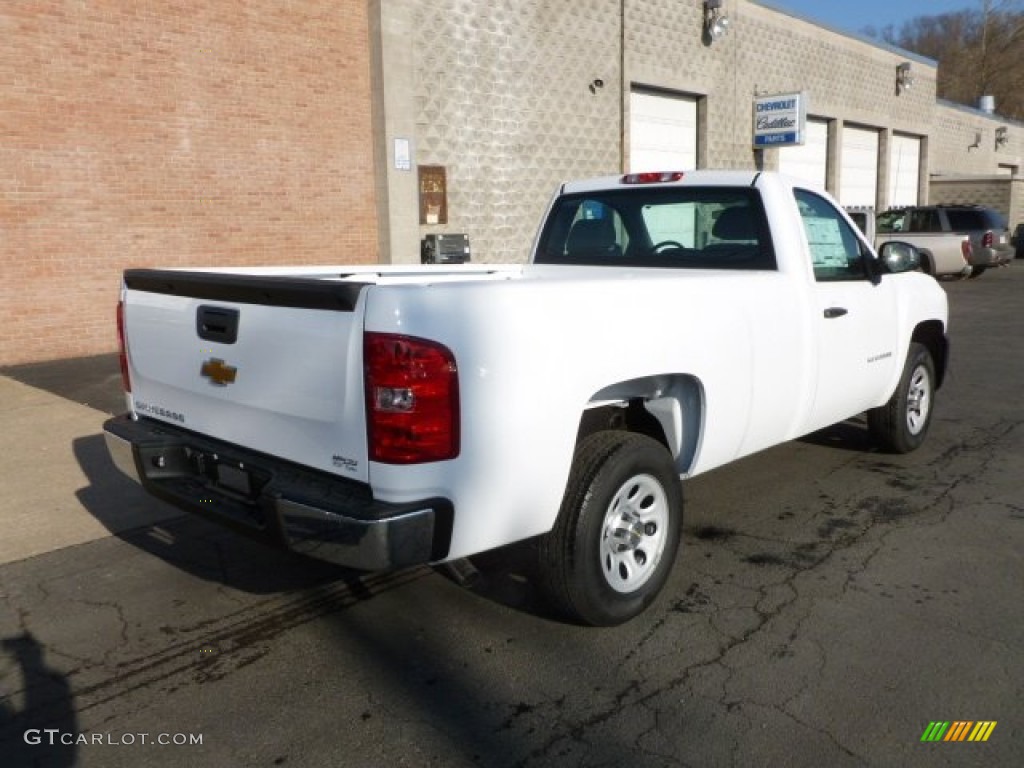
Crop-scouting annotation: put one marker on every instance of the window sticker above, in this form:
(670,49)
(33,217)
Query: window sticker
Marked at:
(826,241)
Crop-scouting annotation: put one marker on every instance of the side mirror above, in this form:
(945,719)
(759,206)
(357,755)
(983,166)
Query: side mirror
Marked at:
(899,257)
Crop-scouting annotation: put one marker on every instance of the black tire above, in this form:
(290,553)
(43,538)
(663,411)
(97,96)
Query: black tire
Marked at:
(977,272)
(901,424)
(617,532)
(927,264)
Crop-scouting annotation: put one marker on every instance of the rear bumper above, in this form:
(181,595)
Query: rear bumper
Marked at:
(307,511)
(991,257)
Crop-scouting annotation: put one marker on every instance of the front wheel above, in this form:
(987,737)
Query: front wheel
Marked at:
(901,424)
(617,532)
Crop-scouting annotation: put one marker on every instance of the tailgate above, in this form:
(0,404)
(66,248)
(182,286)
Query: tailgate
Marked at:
(271,363)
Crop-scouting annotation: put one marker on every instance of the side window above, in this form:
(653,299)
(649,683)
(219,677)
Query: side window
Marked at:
(890,221)
(925,220)
(836,251)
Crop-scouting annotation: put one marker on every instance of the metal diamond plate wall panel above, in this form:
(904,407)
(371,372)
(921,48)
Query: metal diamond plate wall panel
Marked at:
(506,100)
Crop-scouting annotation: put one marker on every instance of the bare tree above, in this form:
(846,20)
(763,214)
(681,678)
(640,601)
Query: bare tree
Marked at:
(980,52)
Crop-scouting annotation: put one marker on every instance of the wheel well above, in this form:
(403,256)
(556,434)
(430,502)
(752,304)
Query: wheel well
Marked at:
(931,335)
(667,408)
(625,416)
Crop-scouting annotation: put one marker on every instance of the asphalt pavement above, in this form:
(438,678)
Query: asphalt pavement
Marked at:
(829,604)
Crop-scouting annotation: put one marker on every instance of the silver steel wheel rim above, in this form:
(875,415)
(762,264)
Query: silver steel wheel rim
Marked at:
(634,533)
(919,400)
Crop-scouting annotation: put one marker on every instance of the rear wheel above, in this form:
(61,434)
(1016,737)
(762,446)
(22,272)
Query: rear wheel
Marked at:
(901,424)
(617,532)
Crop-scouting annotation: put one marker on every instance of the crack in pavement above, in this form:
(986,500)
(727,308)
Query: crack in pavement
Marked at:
(239,639)
(879,517)
(779,600)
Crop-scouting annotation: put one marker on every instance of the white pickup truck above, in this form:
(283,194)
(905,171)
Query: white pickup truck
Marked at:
(379,417)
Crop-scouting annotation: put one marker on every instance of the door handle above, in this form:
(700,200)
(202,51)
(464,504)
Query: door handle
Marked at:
(217,324)
(834,312)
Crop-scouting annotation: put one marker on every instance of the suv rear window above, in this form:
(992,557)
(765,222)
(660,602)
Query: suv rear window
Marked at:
(963,219)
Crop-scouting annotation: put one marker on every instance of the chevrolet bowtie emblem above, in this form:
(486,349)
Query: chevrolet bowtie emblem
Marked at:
(218,372)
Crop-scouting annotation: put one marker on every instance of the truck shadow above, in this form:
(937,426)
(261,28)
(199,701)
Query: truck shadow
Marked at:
(91,381)
(189,543)
(429,645)
(849,435)
(507,576)
(429,648)
(216,554)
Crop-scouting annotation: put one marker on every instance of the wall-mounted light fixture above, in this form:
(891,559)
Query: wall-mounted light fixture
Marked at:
(596,84)
(1002,136)
(904,79)
(716,23)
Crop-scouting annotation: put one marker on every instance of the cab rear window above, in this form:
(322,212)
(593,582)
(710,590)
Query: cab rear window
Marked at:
(664,227)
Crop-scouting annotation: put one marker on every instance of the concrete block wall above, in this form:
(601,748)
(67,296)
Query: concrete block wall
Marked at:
(965,141)
(1004,194)
(187,133)
(505,99)
(766,51)
(972,167)
(502,100)
(972,191)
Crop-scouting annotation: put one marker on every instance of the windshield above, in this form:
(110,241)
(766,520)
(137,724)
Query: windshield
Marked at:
(675,227)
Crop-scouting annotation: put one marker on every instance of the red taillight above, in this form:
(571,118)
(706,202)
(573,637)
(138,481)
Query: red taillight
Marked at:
(987,239)
(412,399)
(126,381)
(652,177)
(966,249)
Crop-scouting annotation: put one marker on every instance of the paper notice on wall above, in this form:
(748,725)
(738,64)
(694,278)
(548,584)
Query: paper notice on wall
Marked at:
(403,155)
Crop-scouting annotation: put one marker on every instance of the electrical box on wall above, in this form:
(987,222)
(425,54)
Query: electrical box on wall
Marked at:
(444,249)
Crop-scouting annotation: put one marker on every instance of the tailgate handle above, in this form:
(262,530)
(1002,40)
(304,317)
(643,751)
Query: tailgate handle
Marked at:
(218,324)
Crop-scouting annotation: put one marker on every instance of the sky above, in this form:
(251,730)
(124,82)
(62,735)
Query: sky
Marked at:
(855,15)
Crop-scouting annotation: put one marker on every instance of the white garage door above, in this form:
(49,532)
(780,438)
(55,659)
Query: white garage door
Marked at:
(810,161)
(662,132)
(904,170)
(858,161)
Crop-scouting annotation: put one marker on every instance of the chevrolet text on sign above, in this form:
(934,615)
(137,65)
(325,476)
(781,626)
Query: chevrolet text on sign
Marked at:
(780,119)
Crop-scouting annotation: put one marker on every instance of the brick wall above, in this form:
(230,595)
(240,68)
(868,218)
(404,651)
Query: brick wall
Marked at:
(156,133)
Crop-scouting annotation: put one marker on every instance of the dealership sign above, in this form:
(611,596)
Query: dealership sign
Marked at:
(780,120)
